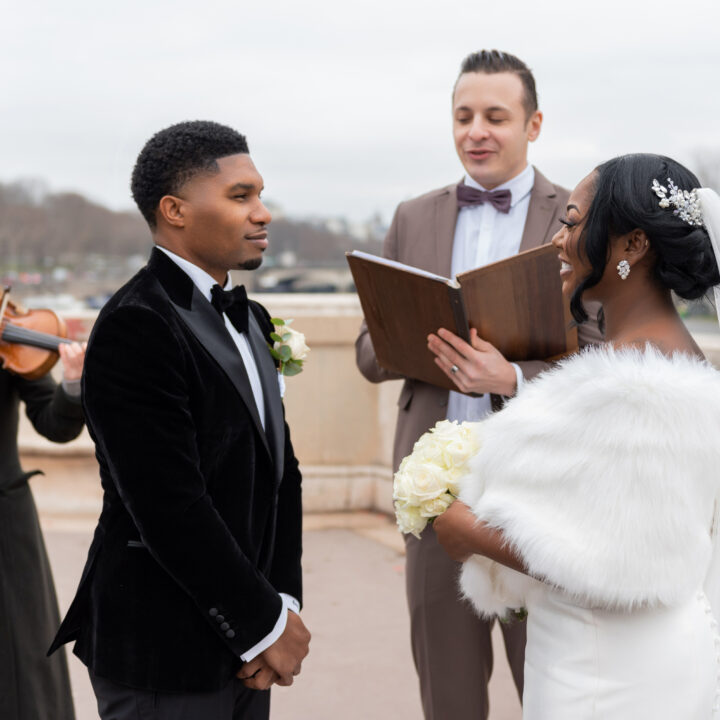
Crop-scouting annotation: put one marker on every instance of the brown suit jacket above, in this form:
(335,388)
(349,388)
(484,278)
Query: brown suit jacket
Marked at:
(422,234)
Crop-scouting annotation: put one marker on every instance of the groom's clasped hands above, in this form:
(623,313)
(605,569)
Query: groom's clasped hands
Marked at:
(282,661)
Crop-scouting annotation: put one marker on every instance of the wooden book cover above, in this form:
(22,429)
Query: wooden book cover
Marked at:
(516,304)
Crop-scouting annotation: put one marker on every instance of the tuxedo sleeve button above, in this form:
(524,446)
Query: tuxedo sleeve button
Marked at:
(220,618)
(213,612)
(230,634)
(225,626)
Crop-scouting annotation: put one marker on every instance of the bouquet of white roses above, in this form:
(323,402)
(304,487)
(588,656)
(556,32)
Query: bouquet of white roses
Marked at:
(288,348)
(428,479)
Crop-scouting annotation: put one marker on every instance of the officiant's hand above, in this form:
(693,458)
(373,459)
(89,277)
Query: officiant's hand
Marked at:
(286,654)
(479,366)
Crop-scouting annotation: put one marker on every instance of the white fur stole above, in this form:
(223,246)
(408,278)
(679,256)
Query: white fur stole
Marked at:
(602,474)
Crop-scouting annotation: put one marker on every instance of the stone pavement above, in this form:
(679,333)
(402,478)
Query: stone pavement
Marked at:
(359,665)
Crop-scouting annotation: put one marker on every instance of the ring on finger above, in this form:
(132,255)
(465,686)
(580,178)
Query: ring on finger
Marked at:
(454,369)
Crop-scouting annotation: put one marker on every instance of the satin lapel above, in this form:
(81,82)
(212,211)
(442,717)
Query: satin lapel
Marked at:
(274,418)
(209,328)
(446,212)
(541,210)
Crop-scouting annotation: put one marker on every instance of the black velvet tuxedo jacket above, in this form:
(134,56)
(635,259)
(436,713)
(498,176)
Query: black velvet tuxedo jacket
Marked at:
(201,521)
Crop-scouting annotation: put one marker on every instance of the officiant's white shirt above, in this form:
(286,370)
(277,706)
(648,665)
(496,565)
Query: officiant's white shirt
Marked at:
(204,283)
(482,236)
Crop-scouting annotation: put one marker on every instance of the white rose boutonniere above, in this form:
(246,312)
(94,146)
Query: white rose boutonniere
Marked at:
(289,347)
(428,479)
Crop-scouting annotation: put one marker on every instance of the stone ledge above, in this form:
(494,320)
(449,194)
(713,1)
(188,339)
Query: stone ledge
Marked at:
(70,487)
(342,488)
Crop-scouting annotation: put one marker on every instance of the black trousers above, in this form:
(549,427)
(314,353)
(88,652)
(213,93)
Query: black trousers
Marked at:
(234,702)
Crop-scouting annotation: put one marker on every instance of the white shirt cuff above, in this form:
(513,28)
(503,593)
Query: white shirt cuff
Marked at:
(520,378)
(288,603)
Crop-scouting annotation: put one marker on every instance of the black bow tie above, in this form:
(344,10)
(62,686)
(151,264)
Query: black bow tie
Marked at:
(468,196)
(234,303)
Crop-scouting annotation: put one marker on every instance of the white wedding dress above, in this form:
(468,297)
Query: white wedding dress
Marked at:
(604,476)
(595,664)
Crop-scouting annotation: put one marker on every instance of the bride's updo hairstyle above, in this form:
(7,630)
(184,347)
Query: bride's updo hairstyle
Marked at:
(624,201)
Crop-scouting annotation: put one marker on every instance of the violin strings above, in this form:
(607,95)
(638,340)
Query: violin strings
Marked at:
(15,333)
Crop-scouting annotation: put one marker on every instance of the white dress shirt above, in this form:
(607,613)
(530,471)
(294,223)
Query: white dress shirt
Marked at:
(204,283)
(484,235)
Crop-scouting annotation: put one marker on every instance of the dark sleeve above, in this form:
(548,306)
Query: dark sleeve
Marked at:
(138,408)
(364,352)
(52,412)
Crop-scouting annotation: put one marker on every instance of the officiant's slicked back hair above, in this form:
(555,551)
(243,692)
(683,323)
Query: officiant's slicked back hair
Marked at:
(496,61)
(624,201)
(174,155)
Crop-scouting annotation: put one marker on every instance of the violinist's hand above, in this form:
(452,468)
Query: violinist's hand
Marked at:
(479,366)
(72,356)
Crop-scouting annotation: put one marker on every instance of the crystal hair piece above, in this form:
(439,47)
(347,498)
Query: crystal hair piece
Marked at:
(685,202)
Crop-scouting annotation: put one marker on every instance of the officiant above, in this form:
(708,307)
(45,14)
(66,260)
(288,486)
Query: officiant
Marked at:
(502,206)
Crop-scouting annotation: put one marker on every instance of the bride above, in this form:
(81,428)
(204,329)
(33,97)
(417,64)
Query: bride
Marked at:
(594,500)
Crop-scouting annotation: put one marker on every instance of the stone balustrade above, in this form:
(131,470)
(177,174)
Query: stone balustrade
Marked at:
(342,426)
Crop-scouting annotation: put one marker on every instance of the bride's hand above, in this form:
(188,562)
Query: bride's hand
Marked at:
(463,535)
(455,530)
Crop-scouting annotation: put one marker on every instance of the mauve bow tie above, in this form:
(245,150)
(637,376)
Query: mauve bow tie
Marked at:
(469,196)
(234,303)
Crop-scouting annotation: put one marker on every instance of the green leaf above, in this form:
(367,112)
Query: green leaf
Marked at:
(292,368)
(286,337)
(285,353)
(275,354)
(274,336)
(277,321)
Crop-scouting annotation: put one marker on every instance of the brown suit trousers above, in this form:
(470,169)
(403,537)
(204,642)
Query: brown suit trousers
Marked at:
(451,645)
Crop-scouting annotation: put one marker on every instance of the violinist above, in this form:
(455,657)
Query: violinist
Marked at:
(31,684)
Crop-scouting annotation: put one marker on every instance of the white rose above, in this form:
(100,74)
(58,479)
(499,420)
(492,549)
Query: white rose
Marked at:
(296,342)
(421,482)
(409,519)
(401,483)
(428,450)
(436,506)
(458,451)
(454,481)
(445,429)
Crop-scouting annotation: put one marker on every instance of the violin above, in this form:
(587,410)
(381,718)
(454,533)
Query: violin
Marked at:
(29,339)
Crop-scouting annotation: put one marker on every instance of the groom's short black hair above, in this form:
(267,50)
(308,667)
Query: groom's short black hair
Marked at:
(174,155)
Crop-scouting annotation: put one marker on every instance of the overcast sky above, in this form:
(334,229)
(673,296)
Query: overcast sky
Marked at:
(346,106)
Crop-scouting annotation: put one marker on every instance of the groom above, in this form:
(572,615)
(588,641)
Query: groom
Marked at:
(188,604)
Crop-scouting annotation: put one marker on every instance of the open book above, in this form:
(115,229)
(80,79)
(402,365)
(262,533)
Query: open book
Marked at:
(516,304)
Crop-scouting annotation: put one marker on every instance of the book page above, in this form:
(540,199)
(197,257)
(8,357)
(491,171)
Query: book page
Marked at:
(403,266)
